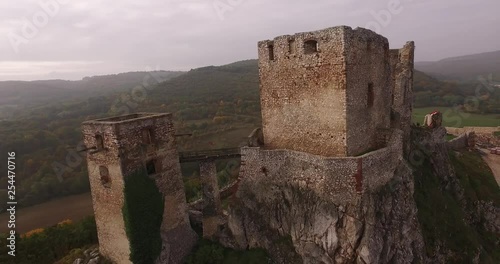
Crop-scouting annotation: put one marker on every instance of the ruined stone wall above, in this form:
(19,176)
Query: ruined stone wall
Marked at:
(132,144)
(379,166)
(340,179)
(303,93)
(323,204)
(330,177)
(368,89)
(212,209)
(311,181)
(402,64)
(163,152)
(478,130)
(458,143)
(107,202)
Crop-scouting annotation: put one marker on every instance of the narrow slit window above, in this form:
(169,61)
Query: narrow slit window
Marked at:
(370,96)
(99,142)
(311,46)
(271,52)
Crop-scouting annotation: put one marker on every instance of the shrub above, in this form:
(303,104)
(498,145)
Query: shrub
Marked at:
(50,244)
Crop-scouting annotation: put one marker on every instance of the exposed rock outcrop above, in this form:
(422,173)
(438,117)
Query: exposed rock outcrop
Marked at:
(298,226)
(91,256)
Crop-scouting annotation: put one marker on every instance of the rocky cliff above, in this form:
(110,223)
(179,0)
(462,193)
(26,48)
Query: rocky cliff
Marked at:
(458,201)
(381,228)
(402,221)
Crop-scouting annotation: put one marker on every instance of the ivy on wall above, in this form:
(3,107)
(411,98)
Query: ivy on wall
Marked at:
(143,213)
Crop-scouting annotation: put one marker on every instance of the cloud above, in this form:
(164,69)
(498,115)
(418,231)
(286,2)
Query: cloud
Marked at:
(184,34)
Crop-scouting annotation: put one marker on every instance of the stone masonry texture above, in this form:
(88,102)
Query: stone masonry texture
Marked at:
(332,99)
(330,176)
(131,143)
(212,209)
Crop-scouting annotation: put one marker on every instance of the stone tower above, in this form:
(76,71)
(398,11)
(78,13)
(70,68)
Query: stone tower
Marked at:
(119,146)
(327,92)
(336,113)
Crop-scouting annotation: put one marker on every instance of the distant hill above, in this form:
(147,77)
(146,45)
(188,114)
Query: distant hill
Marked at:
(239,80)
(227,82)
(464,68)
(15,95)
(219,105)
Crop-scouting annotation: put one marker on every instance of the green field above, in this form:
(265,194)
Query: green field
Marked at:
(455,118)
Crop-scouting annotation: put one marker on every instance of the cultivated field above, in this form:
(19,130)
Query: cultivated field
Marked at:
(50,213)
(455,118)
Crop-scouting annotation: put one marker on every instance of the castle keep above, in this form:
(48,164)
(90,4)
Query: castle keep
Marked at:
(336,121)
(330,92)
(336,112)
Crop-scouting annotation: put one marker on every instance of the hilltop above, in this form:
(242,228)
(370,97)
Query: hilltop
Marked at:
(16,96)
(464,68)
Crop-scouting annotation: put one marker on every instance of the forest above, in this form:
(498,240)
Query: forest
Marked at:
(218,105)
(205,102)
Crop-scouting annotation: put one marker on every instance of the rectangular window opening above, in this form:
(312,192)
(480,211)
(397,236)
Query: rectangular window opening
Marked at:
(151,168)
(271,52)
(311,46)
(291,46)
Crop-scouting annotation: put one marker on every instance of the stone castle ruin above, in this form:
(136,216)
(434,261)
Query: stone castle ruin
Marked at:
(336,115)
(336,122)
(121,146)
(328,97)
(332,92)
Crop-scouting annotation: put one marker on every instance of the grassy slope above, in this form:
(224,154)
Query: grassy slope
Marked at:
(441,214)
(208,252)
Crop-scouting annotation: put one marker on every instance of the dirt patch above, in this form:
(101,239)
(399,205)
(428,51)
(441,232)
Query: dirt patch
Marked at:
(50,213)
(493,161)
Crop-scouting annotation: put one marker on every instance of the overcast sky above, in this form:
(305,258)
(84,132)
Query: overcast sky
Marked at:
(70,39)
